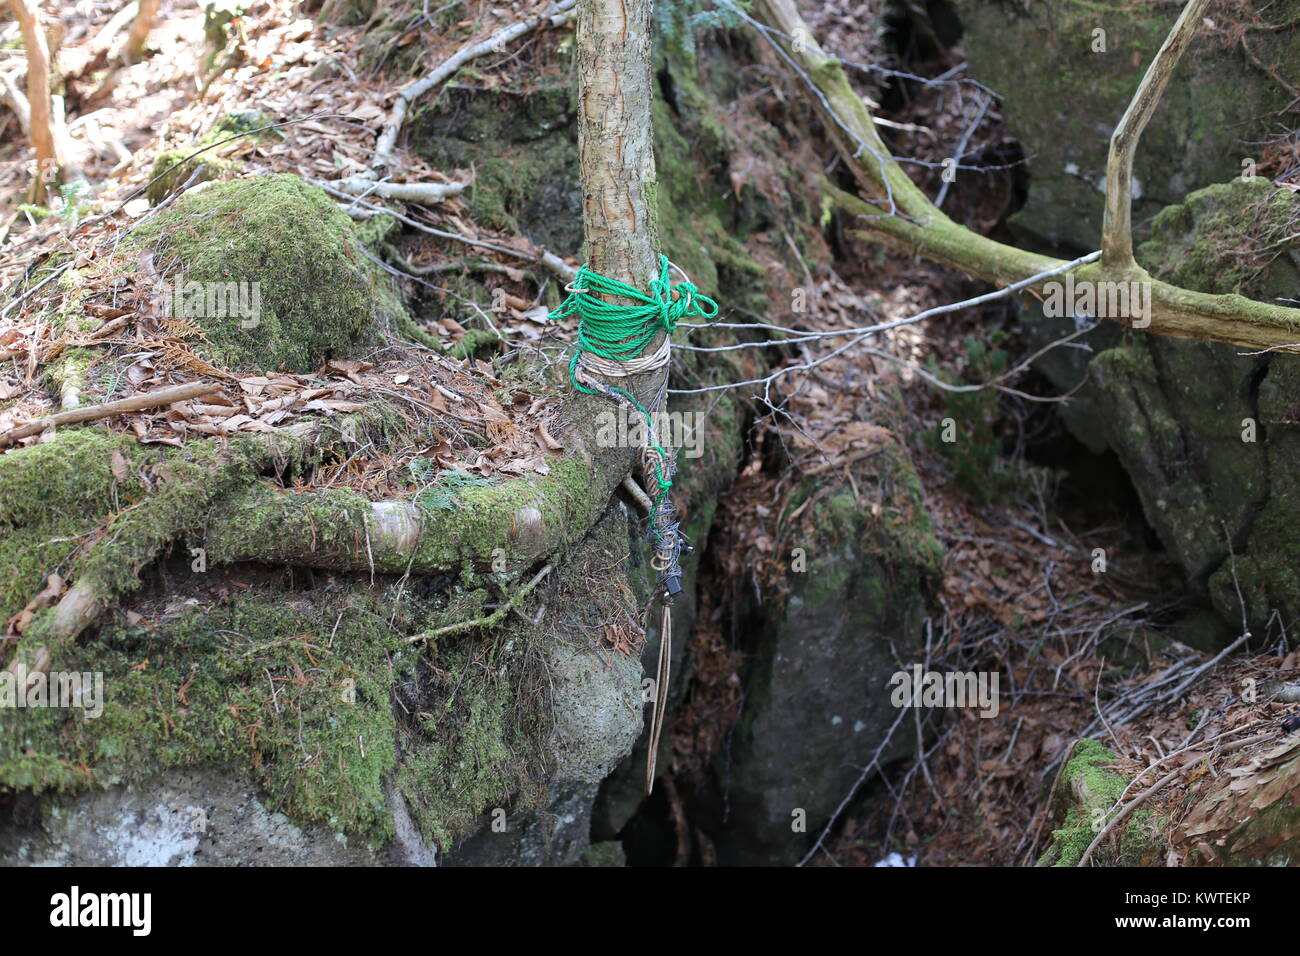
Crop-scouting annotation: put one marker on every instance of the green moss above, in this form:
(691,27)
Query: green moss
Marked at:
(1086,795)
(521,144)
(298,695)
(52,495)
(481,742)
(271,525)
(475,342)
(241,121)
(171,171)
(1223,238)
(299,700)
(290,254)
(376,231)
(63,508)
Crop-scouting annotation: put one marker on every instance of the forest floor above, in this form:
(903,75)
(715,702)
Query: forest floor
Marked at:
(1080,653)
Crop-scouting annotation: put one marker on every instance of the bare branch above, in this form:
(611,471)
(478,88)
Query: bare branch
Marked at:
(1116,233)
(426,193)
(135,403)
(898,213)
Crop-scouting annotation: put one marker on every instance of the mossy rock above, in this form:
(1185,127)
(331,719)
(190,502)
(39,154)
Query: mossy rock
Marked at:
(314,695)
(1082,804)
(522,146)
(861,586)
(1227,238)
(286,254)
(171,171)
(228,712)
(174,168)
(1267,564)
(50,494)
(1204,431)
(1041,56)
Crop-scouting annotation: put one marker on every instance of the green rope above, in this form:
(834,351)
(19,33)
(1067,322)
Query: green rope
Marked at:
(621,333)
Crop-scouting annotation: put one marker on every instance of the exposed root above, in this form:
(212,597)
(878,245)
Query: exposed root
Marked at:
(489,620)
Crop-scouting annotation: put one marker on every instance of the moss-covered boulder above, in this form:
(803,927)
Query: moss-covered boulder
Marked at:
(521,145)
(1233,237)
(307,715)
(174,169)
(270,272)
(208,158)
(1067,70)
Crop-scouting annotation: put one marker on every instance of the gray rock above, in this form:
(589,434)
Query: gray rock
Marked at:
(597,700)
(1063,96)
(200,818)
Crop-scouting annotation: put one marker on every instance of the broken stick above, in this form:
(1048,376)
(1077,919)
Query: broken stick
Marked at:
(135,403)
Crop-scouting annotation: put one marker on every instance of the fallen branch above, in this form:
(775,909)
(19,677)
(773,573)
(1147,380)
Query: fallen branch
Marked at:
(78,607)
(638,495)
(1124,814)
(135,403)
(547,260)
(1282,693)
(487,621)
(427,193)
(408,94)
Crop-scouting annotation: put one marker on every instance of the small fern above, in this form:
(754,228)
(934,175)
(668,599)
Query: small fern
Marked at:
(679,20)
(441,493)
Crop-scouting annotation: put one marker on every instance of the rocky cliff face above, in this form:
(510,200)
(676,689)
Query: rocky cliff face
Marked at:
(1204,432)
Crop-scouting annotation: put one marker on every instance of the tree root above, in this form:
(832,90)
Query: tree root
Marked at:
(522,521)
(489,620)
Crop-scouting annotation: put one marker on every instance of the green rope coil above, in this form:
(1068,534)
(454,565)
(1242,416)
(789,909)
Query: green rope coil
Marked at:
(621,333)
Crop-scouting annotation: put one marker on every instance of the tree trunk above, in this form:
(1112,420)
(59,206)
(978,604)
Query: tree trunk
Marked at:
(28,16)
(140,27)
(615,141)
